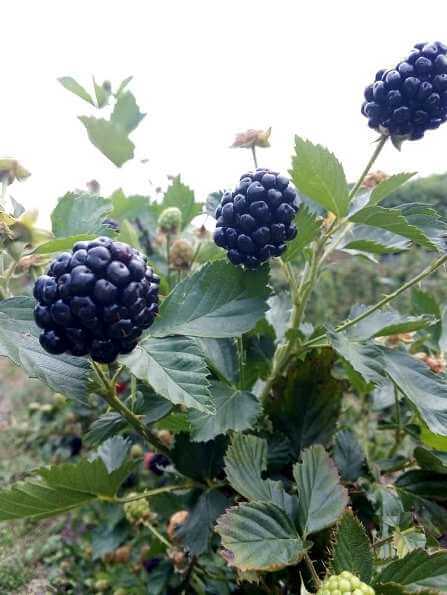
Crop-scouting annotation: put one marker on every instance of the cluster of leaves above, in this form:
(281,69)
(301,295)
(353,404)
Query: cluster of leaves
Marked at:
(296,450)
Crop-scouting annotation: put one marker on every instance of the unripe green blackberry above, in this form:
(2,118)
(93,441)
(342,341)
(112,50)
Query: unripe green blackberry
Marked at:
(137,511)
(181,255)
(170,220)
(344,584)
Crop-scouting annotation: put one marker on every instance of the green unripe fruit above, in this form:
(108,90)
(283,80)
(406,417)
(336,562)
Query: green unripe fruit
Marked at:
(136,452)
(170,220)
(137,511)
(344,584)
(101,585)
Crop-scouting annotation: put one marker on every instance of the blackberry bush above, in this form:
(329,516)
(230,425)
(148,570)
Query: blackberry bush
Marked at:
(411,98)
(96,300)
(255,221)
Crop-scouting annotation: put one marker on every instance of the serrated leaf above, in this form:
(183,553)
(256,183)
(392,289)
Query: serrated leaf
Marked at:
(259,536)
(321,497)
(123,85)
(106,539)
(234,410)
(221,357)
(365,359)
(81,213)
(110,139)
(393,220)
(310,402)
(19,342)
(404,542)
(319,175)
(245,461)
(383,323)
(196,532)
(374,240)
(348,455)
(217,301)
(308,227)
(73,86)
(113,452)
(181,196)
(175,369)
(126,113)
(388,186)
(62,244)
(352,550)
(418,569)
(62,488)
(432,460)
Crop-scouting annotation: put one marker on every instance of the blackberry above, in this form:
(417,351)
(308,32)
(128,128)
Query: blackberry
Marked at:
(96,300)
(411,98)
(255,221)
(155,462)
(344,584)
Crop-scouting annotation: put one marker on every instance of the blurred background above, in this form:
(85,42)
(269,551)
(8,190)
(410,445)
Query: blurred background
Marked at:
(202,72)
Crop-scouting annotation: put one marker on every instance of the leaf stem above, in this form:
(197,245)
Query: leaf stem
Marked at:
(398,432)
(157,534)
(156,491)
(255,159)
(109,394)
(438,262)
(380,144)
(313,572)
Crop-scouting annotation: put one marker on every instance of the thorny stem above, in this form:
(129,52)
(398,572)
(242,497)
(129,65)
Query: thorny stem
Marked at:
(301,294)
(436,264)
(313,572)
(109,394)
(156,491)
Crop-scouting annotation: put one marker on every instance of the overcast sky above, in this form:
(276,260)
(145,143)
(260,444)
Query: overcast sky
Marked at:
(203,70)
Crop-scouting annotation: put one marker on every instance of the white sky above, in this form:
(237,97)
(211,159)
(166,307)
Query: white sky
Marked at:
(203,70)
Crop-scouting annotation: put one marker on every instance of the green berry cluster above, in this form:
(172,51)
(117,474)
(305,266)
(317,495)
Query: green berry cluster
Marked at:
(137,511)
(344,584)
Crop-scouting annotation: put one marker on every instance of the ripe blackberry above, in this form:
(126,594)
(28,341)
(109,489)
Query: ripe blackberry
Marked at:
(96,300)
(255,221)
(411,98)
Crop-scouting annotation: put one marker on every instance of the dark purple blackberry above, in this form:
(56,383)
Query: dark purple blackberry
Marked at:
(411,98)
(96,300)
(255,221)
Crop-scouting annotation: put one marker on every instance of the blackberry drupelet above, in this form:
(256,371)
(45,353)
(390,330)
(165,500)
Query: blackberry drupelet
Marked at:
(96,300)
(406,101)
(255,221)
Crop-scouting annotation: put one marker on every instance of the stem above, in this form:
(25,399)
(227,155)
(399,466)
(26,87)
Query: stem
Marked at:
(149,493)
(240,343)
(253,152)
(398,430)
(168,253)
(313,572)
(388,298)
(109,395)
(157,534)
(379,147)
(133,389)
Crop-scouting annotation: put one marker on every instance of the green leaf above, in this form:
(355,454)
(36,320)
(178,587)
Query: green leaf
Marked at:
(373,240)
(221,357)
(404,542)
(310,402)
(245,461)
(433,440)
(62,244)
(279,314)
(352,550)
(383,323)
(102,95)
(431,460)
(388,186)
(424,484)
(212,202)
(196,532)
(19,342)
(73,86)
(259,536)
(348,455)
(110,139)
(218,301)
(61,488)
(424,389)
(308,227)
(392,220)
(113,452)
(77,214)
(322,499)
(126,113)
(319,175)
(235,410)
(365,359)
(175,369)
(198,460)
(181,196)
(129,235)
(418,569)
(123,85)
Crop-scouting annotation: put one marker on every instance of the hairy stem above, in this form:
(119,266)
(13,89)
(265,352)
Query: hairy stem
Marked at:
(109,394)
(313,572)
(155,492)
